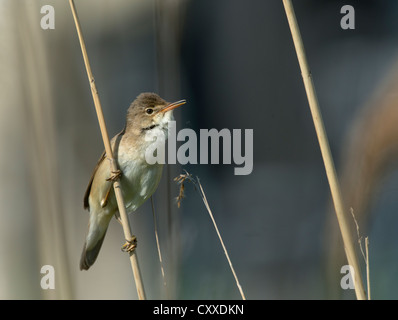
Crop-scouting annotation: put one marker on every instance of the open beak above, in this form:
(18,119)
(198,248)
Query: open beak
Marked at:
(173,105)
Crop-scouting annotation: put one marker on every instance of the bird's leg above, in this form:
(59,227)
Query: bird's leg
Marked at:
(130,245)
(118,218)
(115,176)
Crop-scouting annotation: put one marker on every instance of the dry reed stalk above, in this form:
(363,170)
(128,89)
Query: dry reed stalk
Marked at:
(157,241)
(116,184)
(365,254)
(168,16)
(358,234)
(40,132)
(180,180)
(367,265)
(325,150)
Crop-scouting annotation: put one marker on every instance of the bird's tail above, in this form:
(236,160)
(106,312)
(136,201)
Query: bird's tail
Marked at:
(92,246)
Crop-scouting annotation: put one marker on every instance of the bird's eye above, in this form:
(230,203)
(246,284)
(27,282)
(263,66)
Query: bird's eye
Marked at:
(149,111)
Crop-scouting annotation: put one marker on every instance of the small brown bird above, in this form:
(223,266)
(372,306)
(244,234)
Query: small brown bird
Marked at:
(147,114)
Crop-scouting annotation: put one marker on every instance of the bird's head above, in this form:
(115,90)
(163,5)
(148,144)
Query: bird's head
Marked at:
(148,112)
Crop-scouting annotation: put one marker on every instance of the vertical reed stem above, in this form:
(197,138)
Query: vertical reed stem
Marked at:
(367,266)
(116,185)
(325,150)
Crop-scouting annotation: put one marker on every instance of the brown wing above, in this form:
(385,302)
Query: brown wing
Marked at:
(87,194)
(103,156)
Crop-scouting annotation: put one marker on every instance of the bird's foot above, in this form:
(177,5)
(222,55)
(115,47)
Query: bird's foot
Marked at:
(115,176)
(130,245)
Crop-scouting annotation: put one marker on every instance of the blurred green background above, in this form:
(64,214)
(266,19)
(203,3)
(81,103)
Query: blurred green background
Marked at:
(235,64)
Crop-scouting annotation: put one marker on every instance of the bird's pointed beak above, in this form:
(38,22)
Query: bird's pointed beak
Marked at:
(173,105)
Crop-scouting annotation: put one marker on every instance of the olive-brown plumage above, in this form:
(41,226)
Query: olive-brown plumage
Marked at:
(147,114)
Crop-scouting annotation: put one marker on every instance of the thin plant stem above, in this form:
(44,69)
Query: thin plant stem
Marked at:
(367,265)
(157,241)
(325,150)
(365,254)
(221,241)
(180,179)
(109,155)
